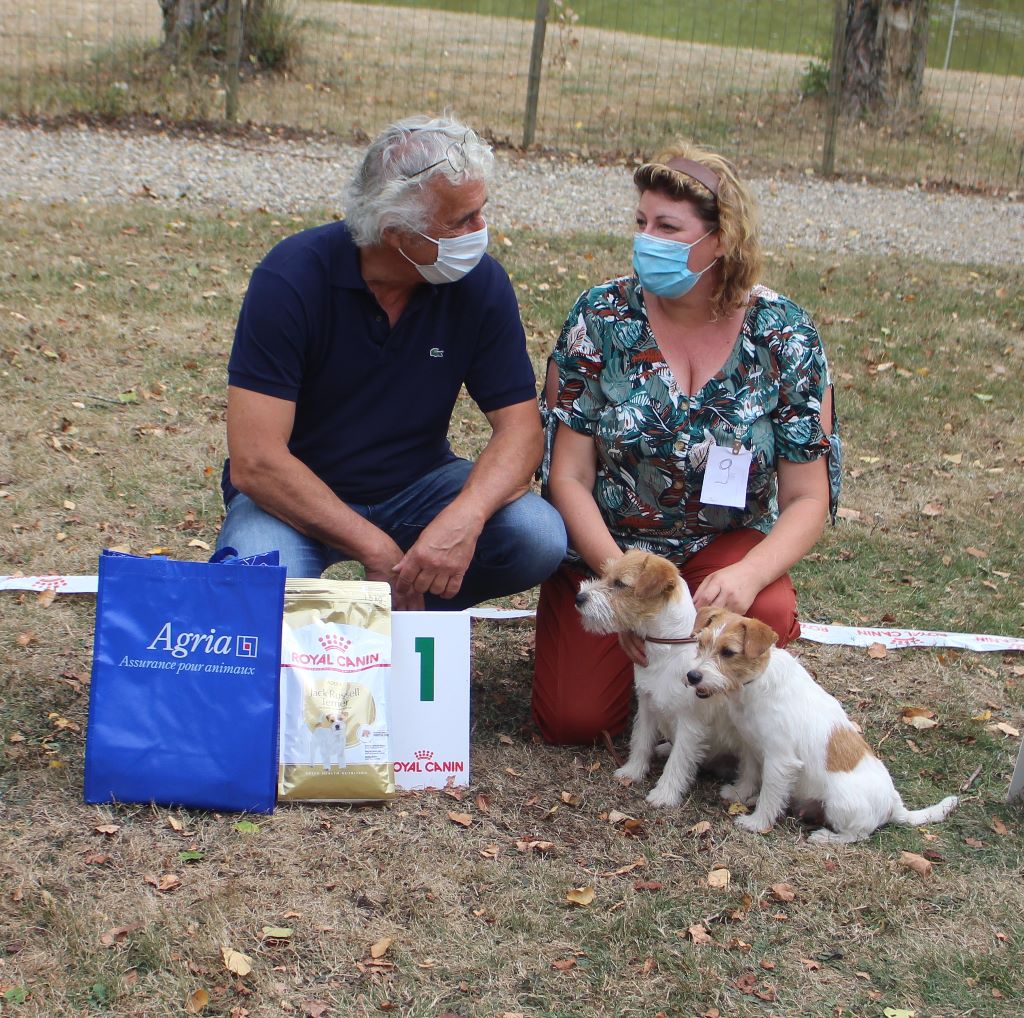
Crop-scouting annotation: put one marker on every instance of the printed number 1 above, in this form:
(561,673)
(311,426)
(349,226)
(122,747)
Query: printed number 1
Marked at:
(424,646)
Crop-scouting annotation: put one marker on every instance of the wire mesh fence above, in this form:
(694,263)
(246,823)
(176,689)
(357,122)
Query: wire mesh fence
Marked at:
(749,77)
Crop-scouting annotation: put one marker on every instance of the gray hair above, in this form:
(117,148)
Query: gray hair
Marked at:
(388,189)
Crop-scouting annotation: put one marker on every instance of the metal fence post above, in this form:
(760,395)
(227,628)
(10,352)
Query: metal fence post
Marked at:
(234,59)
(540,25)
(835,87)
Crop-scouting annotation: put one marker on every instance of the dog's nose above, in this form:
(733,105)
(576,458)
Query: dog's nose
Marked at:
(694,677)
(581,600)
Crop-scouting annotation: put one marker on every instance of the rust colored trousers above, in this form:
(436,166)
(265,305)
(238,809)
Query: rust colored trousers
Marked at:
(583,682)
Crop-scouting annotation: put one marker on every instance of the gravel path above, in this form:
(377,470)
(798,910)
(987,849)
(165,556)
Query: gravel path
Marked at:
(74,164)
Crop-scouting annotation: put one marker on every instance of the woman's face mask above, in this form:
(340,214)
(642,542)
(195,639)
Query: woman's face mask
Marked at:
(663,265)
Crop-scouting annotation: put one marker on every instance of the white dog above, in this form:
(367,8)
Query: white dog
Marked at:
(797,744)
(328,739)
(644,594)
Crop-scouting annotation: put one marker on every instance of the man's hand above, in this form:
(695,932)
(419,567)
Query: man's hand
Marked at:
(733,587)
(381,567)
(438,561)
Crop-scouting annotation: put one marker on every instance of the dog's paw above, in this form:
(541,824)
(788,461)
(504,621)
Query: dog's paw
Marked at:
(737,793)
(631,773)
(663,797)
(753,823)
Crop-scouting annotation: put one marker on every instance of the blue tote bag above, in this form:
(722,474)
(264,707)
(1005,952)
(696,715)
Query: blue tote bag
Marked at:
(185,692)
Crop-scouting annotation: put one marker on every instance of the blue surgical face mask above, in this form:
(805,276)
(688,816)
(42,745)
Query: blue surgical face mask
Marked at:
(663,265)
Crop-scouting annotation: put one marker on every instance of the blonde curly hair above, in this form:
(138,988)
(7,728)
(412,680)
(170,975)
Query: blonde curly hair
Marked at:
(732,214)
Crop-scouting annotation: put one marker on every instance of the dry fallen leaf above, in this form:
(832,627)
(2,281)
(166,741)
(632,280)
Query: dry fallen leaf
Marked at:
(108,829)
(999,827)
(783,892)
(381,947)
(581,896)
(699,934)
(463,819)
(700,828)
(564,964)
(919,717)
(535,846)
(46,598)
(1002,726)
(118,934)
(197,1000)
(878,650)
(235,962)
(810,964)
(918,863)
(719,878)
(976,552)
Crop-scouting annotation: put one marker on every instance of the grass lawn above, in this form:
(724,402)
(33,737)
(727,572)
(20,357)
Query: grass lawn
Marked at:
(988,34)
(115,325)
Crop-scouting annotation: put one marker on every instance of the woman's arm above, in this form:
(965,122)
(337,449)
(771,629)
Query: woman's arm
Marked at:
(571,484)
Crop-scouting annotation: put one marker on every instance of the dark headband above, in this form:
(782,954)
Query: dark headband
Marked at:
(697,171)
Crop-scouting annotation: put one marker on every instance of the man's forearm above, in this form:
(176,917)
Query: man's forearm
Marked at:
(288,489)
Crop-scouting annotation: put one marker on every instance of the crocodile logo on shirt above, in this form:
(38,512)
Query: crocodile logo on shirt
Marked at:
(436,351)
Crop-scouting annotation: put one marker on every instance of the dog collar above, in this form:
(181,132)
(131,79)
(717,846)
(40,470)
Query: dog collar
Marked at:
(670,639)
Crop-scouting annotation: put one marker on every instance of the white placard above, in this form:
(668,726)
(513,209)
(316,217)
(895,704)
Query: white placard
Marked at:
(725,477)
(1017,781)
(430,699)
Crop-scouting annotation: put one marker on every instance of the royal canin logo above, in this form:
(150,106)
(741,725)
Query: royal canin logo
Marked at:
(423,762)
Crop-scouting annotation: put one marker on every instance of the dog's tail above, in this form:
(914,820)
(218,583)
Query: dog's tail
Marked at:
(928,815)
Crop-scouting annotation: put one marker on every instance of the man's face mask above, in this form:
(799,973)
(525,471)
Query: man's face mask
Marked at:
(456,256)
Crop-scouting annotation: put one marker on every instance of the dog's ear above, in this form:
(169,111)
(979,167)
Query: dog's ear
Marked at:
(657,576)
(705,617)
(758,636)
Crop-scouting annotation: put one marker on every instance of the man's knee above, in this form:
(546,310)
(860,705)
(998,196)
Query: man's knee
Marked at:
(530,533)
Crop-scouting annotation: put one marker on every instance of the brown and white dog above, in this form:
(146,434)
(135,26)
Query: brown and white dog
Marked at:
(644,594)
(797,744)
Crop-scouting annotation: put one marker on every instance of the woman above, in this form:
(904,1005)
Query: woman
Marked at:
(694,420)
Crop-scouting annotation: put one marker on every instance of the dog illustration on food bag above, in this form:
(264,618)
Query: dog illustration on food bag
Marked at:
(328,739)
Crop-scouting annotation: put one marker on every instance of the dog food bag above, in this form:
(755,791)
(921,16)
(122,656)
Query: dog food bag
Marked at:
(335,670)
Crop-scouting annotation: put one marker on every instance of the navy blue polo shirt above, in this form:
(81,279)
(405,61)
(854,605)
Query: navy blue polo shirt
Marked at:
(373,402)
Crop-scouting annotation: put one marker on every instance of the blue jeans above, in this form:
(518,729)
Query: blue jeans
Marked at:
(521,545)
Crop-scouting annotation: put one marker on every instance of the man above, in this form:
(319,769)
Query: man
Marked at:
(352,345)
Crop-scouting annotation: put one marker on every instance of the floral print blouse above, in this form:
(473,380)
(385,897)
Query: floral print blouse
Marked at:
(653,440)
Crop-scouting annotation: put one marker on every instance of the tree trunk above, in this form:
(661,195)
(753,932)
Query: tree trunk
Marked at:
(201,23)
(886,46)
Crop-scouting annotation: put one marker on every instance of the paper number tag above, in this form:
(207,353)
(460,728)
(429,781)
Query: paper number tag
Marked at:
(725,477)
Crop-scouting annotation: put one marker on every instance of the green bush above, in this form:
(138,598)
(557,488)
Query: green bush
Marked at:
(273,35)
(814,80)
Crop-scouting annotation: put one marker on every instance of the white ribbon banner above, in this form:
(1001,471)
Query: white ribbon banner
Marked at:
(847,636)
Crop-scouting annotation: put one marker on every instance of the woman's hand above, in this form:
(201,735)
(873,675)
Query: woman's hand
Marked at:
(733,587)
(635,648)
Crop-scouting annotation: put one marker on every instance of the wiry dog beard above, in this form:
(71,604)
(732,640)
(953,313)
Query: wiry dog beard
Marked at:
(597,613)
